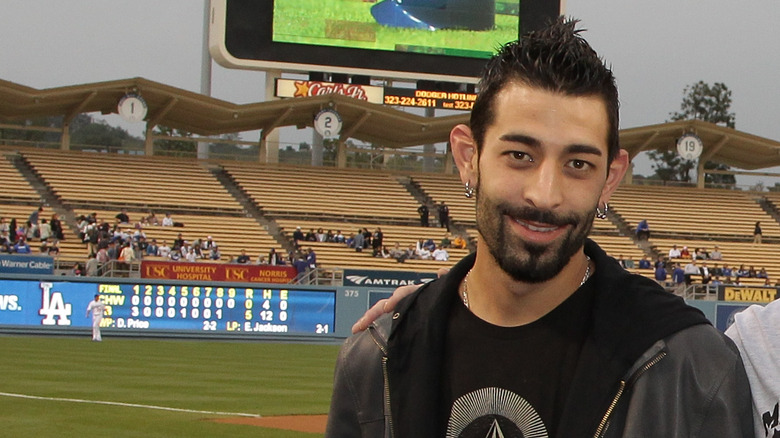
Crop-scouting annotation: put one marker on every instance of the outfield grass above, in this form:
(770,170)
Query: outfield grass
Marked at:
(241,377)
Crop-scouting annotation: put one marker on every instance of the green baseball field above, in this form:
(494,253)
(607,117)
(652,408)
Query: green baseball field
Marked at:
(123,387)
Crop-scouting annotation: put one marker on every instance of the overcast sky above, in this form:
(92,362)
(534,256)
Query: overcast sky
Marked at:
(655,48)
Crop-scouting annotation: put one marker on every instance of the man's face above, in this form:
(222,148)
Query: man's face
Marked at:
(540,174)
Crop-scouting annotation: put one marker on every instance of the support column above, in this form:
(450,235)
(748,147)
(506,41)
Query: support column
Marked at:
(149,141)
(270,153)
(700,174)
(341,155)
(65,138)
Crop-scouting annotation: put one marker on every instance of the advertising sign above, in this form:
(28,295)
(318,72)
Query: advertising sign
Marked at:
(370,277)
(26,264)
(217,272)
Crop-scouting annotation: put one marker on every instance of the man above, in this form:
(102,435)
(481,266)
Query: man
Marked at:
(422,210)
(540,333)
(243,259)
(690,270)
(444,216)
(716,254)
(96,308)
(674,253)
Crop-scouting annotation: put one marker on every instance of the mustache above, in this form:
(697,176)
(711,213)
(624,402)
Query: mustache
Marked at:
(531,214)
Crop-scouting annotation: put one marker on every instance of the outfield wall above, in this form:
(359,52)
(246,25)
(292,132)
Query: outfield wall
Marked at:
(172,308)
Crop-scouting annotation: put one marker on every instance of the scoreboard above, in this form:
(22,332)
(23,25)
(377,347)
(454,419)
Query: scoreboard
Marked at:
(155,306)
(411,97)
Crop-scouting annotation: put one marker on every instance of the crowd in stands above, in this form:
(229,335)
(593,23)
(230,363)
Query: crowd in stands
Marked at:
(365,240)
(16,238)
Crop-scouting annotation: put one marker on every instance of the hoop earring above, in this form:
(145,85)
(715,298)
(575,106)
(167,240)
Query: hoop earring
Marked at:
(602,214)
(469,190)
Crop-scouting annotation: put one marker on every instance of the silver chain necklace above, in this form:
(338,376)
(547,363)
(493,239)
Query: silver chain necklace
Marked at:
(465,291)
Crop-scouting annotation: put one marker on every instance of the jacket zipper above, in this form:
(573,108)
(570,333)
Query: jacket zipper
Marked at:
(623,385)
(385,378)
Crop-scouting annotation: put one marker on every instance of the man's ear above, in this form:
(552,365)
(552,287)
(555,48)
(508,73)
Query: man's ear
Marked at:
(464,151)
(617,169)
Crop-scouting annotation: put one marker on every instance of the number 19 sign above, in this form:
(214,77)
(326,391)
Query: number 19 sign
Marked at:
(690,146)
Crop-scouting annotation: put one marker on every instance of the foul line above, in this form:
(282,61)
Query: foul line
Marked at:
(131,405)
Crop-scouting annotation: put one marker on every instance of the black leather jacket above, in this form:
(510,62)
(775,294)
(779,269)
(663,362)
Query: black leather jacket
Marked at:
(651,367)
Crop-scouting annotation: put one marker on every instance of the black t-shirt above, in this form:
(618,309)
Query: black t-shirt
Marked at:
(512,381)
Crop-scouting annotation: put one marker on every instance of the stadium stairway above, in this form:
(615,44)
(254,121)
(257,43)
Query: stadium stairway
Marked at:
(624,229)
(250,207)
(770,208)
(48,197)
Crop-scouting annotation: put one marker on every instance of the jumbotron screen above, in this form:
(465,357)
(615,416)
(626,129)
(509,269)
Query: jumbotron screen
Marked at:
(422,39)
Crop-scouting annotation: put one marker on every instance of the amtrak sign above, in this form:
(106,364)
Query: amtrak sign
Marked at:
(389,279)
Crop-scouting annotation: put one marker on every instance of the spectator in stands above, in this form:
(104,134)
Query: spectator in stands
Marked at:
(644,263)
(102,258)
(674,253)
(174,256)
(76,270)
(273,257)
(684,253)
(91,267)
(207,244)
(5,241)
(459,242)
(366,238)
(311,258)
(752,273)
(178,243)
(54,249)
(742,272)
(411,252)
(112,251)
(301,267)
(12,230)
(716,271)
(422,210)
(122,217)
(445,241)
(704,271)
(727,273)
(716,254)
(757,234)
(4,227)
(311,236)
(338,237)
(762,273)
(214,253)
(678,276)
(191,255)
(660,275)
(321,235)
(430,245)
(360,241)
(444,215)
(22,247)
(167,220)
(164,250)
(350,241)
(376,241)
(398,253)
(700,254)
(92,218)
(45,230)
(422,252)
(643,230)
(127,255)
(690,270)
(716,281)
(330,237)
(56,227)
(152,249)
(440,254)
(297,235)
(142,245)
(33,221)
(621,262)
(243,259)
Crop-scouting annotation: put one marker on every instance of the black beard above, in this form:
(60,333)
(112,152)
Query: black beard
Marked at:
(540,262)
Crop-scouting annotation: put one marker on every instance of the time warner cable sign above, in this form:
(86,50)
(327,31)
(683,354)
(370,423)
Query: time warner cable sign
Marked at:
(24,264)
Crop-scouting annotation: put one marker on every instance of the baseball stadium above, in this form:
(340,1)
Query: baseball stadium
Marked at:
(281,247)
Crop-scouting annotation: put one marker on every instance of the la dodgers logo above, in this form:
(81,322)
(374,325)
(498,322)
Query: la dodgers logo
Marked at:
(53,307)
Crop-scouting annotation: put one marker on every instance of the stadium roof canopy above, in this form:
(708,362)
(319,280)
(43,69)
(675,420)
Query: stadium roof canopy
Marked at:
(721,144)
(207,116)
(203,115)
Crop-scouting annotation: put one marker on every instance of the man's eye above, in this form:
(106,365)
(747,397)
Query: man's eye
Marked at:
(521,156)
(579,164)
